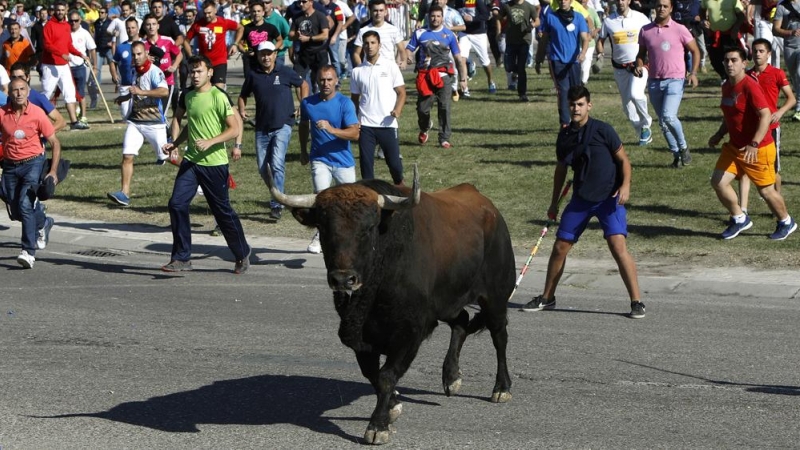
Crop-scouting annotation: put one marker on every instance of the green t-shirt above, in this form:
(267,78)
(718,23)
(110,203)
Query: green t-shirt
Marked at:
(206,113)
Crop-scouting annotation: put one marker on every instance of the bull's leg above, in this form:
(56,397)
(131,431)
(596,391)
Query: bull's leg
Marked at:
(451,372)
(502,386)
(370,366)
(397,362)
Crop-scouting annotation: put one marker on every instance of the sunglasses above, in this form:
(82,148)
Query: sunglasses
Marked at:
(76,21)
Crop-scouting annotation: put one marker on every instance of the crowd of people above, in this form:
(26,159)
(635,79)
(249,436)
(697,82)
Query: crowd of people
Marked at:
(174,58)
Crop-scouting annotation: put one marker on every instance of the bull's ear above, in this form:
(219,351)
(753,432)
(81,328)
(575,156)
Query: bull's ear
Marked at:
(306,216)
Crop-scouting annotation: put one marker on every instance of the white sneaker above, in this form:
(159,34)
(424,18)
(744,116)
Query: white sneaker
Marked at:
(25,260)
(314,246)
(199,190)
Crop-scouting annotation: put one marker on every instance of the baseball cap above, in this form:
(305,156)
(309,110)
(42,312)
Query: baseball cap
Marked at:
(39,8)
(266,45)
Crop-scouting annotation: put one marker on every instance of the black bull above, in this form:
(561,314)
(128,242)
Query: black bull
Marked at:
(399,261)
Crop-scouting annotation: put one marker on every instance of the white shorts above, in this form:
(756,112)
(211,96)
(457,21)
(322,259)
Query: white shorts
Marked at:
(477,42)
(156,135)
(125,107)
(61,77)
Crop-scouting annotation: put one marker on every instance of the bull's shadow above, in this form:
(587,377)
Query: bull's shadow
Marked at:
(259,400)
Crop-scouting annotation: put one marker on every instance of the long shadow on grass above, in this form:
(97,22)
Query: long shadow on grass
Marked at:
(526,164)
(81,148)
(749,387)
(659,231)
(514,132)
(92,166)
(302,401)
(671,211)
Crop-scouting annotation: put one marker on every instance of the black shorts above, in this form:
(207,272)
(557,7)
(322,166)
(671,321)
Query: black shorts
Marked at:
(220,74)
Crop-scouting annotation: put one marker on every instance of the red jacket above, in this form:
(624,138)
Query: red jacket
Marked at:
(57,42)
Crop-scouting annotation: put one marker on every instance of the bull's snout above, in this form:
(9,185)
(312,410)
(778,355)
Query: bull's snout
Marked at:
(344,280)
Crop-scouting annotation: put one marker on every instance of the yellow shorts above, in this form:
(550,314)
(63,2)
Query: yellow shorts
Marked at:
(761,172)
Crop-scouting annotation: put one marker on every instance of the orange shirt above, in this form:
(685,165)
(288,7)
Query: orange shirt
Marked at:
(21,136)
(20,50)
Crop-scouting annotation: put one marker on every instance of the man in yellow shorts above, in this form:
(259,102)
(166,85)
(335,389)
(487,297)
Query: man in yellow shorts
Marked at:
(750,149)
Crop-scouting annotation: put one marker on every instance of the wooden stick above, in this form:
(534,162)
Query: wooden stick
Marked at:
(99,89)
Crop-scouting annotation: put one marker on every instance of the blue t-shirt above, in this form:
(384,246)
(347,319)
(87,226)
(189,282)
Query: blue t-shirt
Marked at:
(325,147)
(565,36)
(435,47)
(124,59)
(37,98)
(273,95)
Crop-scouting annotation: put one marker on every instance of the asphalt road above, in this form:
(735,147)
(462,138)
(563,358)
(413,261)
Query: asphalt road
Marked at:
(101,350)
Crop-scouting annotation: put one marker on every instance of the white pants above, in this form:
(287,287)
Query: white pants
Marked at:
(61,77)
(634,101)
(323,175)
(586,65)
(135,135)
(477,42)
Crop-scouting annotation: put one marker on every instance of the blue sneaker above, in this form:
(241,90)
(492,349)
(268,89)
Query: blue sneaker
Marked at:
(492,88)
(645,137)
(470,69)
(783,231)
(119,198)
(734,228)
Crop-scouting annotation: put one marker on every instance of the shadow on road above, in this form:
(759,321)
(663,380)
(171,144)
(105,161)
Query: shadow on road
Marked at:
(749,387)
(260,400)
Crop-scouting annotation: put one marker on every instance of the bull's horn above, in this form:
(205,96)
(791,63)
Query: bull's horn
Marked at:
(394,202)
(292,201)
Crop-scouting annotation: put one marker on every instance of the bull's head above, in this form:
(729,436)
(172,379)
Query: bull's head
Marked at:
(350,219)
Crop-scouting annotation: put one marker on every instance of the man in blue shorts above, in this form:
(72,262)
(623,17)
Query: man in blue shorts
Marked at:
(602,174)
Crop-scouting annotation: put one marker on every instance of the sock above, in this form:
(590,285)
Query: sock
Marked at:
(787,220)
(744,211)
(740,218)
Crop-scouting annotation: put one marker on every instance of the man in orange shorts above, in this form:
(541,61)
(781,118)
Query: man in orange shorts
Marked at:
(749,151)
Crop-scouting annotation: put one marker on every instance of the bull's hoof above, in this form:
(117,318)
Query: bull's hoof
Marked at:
(395,412)
(501,397)
(376,437)
(453,389)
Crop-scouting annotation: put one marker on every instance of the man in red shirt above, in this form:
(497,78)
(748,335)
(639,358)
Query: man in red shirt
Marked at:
(58,46)
(773,81)
(22,125)
(211,31)
(750,150)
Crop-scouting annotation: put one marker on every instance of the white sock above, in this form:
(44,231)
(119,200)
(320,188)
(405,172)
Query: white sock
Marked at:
(787,220)
(740,218)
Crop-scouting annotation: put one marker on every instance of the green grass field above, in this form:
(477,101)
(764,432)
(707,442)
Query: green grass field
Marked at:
(506,149)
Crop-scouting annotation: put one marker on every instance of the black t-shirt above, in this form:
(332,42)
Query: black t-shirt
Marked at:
(595,169)
(256,34)
(311,26)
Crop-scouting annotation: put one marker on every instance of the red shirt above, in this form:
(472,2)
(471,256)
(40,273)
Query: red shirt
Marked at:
(771,80)
(740,105)
(21,137)
(211,38)
(57,37)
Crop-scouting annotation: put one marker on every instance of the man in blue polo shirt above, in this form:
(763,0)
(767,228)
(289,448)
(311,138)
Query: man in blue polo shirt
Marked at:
(565,35)
(271,86)
(122,68)
(330,119)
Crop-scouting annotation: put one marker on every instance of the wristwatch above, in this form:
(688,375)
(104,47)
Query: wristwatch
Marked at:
(754,144)
(239,146)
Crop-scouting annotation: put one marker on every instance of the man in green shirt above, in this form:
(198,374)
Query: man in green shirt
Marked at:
(211,122)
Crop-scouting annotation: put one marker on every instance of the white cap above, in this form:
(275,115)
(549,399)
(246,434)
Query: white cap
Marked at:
(266,45)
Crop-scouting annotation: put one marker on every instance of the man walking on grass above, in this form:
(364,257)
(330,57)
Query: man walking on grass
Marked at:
(602,174)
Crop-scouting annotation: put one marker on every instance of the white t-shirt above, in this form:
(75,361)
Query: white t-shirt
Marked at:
(83,42)
(390,37)
(4,78)
(347,14)
(375,84)
(117,29)
(624,34)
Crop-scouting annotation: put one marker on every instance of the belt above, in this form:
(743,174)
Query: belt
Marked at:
(22,161)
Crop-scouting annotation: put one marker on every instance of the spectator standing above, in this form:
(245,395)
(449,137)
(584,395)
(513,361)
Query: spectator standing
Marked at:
(146,121)
(336,22)
(16,48)
(329,118)
(23,164)
(786,24)
(211,31)
(391,38)
(55,62)
(349,19)
(114,11)
(118,27)
(623,28)
(379,93)
(37,35)
(310,30)
(665,41)
(438,50)
(211,123)
(83,42)
(271,87)
(565,35)
(142,9)
(105,52)
(749,151)
(521,17)
(602,173)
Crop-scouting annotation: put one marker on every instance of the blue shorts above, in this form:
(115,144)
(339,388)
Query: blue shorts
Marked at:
(576,215)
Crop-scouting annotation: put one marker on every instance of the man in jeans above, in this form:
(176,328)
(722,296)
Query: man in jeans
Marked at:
(23,163)
(665,42)
(271,86)
(329,118)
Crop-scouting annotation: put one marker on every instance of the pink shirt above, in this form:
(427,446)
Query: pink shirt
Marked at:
(665,47)
(171,52)
(21,136)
